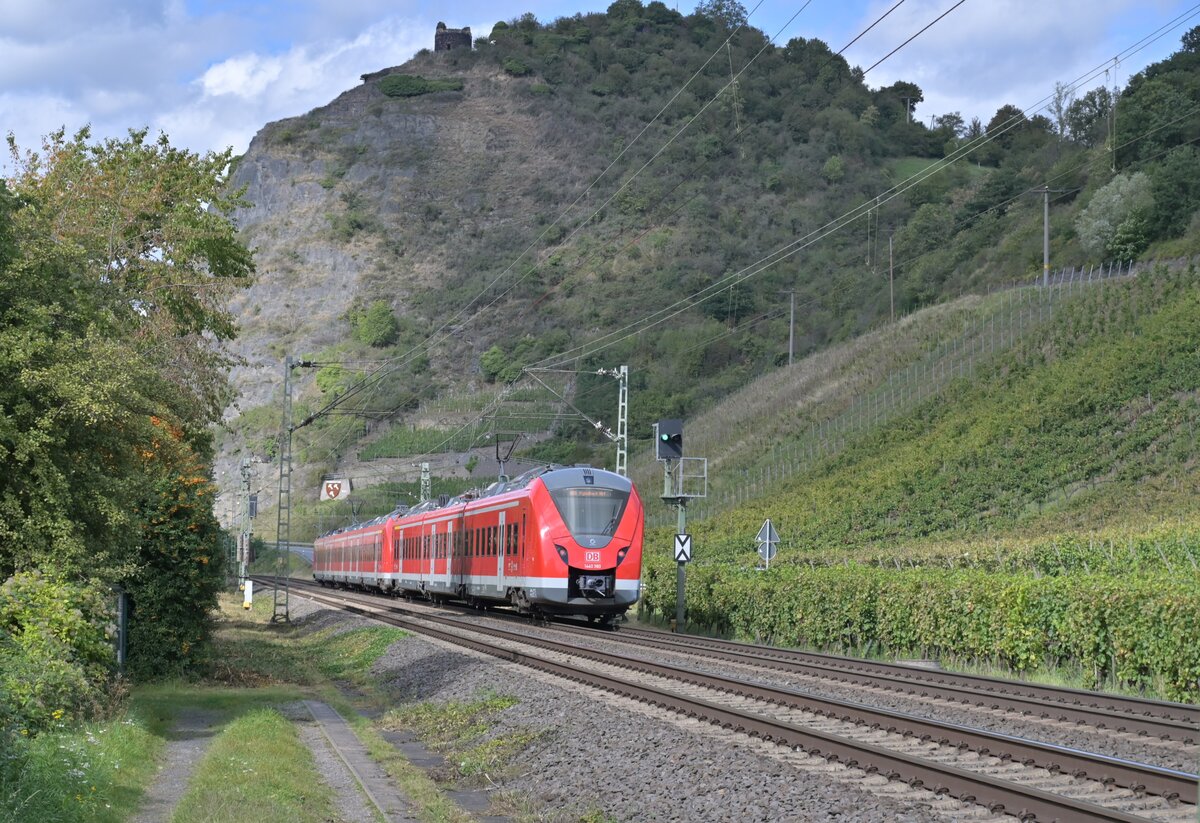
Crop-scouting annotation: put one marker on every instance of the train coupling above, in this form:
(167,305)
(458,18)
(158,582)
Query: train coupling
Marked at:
(595,585)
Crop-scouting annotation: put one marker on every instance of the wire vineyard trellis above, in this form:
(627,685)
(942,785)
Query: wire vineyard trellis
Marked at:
(991,326)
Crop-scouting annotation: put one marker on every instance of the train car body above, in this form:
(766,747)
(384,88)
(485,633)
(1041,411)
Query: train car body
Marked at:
(554,541)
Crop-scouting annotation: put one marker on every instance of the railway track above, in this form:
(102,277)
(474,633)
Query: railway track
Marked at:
(1004,774)
(1177,722)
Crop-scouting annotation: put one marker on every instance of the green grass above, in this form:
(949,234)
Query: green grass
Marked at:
(413,85)
(401,441)
(255,651)
(462,732)
(256,769)
(252,651)
(93,773)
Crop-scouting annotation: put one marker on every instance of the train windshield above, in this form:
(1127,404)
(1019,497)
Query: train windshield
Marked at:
(590,510)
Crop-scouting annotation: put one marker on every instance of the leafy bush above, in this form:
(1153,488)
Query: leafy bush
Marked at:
(1141,632)
(56,653)
(413,85)
(179,573)
(1116,216)
(377,326)
(515,66)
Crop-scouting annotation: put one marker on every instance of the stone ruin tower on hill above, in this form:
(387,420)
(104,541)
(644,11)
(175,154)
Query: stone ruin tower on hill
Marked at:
(445,39)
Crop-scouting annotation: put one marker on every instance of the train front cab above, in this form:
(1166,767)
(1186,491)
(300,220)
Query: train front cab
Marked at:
(591,536)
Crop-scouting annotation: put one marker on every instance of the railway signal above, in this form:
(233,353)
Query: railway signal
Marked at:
(683,478)
(668,440)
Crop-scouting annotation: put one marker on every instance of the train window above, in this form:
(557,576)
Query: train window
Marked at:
(590,510)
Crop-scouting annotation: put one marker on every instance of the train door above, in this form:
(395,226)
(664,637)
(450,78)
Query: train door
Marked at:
(459,551)
(501,549)
(433,550)
(401,556)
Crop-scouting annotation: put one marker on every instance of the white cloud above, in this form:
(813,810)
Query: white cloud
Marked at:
(214,77)
(246,76)
(234,98)
(986,54)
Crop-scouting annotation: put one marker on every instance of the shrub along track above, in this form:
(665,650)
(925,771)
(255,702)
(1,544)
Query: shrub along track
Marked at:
(1005,774)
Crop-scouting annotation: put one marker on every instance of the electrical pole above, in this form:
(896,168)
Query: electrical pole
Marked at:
(621,438)
(283,510)
(891,278)
(791,293)
(792,329)
(426,484)
(623,422)
(243,555)
(1045,191)
(1045,237)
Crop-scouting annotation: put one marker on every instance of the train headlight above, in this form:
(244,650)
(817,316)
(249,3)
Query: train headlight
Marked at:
(562,552)
(621,555)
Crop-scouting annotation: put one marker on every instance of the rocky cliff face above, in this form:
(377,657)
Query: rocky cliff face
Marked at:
(374,197)
(356,201)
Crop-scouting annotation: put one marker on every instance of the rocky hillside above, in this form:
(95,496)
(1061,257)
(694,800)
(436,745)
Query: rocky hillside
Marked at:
(475,211)
(359,199)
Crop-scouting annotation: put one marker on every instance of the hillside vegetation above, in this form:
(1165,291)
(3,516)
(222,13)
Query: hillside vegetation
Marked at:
(1041,512)
(1004,472)
(455,206)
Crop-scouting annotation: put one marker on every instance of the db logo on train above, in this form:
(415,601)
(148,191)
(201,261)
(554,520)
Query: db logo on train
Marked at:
(591,557)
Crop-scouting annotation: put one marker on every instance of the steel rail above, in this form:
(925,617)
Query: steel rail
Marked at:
(1185,716)
(1108,771)
(1037,701)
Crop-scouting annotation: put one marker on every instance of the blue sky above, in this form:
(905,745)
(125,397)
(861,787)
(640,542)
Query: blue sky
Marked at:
(211,73)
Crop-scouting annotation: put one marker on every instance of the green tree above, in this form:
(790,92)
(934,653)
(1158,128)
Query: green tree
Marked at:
(834,169)
(1191,41)
(117,262)
(1087,117)
(1114,222)
(1175,184)
(729,13)
(493,363)
(377,326)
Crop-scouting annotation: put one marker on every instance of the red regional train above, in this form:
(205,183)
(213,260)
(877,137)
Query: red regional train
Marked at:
(555,541)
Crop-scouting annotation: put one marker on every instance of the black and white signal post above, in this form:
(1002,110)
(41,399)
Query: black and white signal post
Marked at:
(683,479)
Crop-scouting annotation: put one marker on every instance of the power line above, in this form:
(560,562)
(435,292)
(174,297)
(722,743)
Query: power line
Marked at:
(788,250)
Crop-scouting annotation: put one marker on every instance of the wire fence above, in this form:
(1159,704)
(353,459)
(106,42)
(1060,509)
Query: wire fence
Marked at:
(1000,320)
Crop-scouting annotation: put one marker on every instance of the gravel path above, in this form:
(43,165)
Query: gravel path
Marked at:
(188,740)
